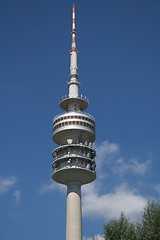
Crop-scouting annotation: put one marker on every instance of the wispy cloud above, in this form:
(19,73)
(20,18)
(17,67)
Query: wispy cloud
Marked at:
(97,237)
(157,188)
(17,196)
(50,186)
(135,166)
(110,154)
(7,183)
(15,214)
(106,152)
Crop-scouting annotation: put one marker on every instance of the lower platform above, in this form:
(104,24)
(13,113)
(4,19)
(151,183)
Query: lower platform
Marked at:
(73,174)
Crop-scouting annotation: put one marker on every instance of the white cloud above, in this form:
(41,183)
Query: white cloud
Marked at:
(106,151)
(15,214)
(50,186)
(157,188)
(121,198)
(17,196)
(109,154)
(110,205)
(97,237)
(122,166)
(7,183)
(10,183)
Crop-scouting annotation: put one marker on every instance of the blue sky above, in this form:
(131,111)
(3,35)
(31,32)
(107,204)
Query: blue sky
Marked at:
(119,69)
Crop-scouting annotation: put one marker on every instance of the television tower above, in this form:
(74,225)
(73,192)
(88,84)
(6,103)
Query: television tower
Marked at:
(74,132)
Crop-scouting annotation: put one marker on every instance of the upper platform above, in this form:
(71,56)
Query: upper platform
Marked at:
(79,127)
(81,102)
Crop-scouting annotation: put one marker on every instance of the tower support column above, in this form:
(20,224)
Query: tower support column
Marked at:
(74,213)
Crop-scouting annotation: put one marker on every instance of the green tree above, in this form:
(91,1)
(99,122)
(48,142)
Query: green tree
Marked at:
(149,227)
(121,229)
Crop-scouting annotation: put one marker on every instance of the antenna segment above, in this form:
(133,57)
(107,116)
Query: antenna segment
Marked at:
(73,83)
(73,29)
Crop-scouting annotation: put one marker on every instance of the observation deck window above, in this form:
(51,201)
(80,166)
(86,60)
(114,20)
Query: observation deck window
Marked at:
(87,123)
(74,116)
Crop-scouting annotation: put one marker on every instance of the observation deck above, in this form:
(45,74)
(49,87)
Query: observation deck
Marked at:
(74,161)
(80,102)
(78,126)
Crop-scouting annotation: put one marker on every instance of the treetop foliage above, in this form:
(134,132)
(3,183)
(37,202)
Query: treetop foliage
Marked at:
(146,229)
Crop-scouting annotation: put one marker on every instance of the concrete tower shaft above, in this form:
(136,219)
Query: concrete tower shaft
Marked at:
(74,132)
(74,212)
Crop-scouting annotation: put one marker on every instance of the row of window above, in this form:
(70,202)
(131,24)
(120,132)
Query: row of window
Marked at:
(77,163)
(73,154)
(71,116)
(74,123)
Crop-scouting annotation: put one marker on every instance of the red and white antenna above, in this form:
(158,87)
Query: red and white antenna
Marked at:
(73,29)
(73,83)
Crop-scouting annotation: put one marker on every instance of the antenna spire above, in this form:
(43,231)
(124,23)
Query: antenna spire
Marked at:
(73,47)
(73,83)
(73,102)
